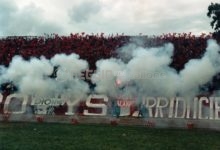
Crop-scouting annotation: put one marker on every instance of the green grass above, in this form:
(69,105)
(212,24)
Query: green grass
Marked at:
(37,136)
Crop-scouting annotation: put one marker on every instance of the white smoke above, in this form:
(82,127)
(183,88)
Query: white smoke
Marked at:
(32,77)
(146,72)
(198,72)
(69,75)
(105,76)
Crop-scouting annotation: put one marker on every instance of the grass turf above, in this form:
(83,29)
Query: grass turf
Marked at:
(44,136)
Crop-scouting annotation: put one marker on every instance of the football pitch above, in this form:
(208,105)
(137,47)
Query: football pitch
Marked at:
(50,136)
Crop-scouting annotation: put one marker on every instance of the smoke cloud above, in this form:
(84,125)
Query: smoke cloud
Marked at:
(146,72)
(32,77)
(137,73)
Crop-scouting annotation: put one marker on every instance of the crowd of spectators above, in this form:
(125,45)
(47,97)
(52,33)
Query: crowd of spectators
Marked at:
(89,47)
(94,47)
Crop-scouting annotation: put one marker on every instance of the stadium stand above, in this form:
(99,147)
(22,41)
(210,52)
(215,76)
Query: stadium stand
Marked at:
(95,47)
(99,46)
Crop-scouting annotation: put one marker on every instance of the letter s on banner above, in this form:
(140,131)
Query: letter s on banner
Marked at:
(98,106)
